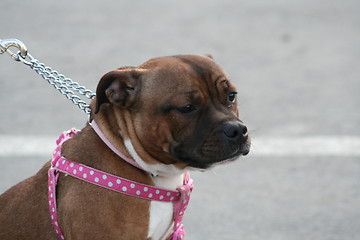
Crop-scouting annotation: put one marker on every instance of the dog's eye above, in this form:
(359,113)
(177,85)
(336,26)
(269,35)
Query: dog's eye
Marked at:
(232,97)
(186,109)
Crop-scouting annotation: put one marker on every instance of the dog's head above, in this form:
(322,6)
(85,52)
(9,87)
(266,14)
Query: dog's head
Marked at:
(179,110)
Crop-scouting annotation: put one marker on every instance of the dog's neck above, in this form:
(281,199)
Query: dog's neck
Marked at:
(113,129)
(156,170)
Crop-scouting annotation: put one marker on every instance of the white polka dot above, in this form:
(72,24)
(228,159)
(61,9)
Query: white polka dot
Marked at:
(181,213)
(74,171)
(138,192)
(51,195)
(53,209)
(96,179)
(91,172)
(184,201)
(80,169)
(124,189)
(50,203)
(110,184)
(104,176)
(168,194)
(62,237)
(150,195)
(132,185)
(172,198)
(118,181)
(157,192)
(56,223)
(63,162)
(71,164)
(84,175)
(161,197)
(57,164)
(146,189)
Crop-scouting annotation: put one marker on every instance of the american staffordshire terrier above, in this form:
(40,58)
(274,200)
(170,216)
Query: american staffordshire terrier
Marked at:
(149,125)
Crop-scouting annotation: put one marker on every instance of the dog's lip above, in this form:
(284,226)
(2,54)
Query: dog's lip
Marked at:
(233,157)
(241,152)
(245,151)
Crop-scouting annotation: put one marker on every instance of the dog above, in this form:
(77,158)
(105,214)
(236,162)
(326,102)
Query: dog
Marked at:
(169,115)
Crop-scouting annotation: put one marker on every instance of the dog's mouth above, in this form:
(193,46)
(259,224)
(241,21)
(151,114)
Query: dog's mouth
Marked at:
(243,151)
(208,159)
(220,152)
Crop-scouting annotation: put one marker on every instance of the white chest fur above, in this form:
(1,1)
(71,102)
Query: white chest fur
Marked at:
(165,176)
(161,213)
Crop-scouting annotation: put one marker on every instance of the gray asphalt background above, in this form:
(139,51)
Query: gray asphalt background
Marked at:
(296,65)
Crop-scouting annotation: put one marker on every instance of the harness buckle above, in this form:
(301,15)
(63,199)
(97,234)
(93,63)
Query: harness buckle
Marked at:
(5,44)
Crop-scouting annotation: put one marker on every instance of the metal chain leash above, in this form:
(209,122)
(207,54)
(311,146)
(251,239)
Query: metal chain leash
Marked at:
(57,80)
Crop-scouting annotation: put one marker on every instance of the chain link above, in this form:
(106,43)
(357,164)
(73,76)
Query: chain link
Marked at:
(54,78)
(62,84)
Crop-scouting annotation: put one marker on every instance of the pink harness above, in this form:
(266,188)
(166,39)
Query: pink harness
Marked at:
(180,198)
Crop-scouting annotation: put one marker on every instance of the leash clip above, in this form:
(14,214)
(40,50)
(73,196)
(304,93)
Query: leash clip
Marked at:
(5,44)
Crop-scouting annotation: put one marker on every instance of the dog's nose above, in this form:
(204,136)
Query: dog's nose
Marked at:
(235,130)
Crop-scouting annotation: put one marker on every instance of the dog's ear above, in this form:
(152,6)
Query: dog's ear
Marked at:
(118,87)
(208,56)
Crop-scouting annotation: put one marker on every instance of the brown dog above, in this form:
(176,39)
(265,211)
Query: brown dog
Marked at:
(170,114)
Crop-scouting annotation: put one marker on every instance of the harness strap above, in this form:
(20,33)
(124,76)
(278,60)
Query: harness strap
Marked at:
(180,198)
(179,209)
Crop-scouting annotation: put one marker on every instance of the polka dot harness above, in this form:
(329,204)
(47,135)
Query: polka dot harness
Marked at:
(180,198)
